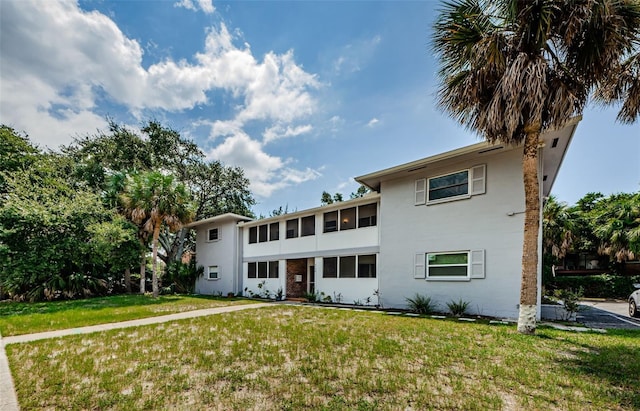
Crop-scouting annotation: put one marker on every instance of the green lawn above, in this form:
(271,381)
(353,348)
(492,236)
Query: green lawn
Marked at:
(26,318)
(292,358)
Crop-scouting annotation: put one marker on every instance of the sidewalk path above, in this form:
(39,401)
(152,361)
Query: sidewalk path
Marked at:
(8,399)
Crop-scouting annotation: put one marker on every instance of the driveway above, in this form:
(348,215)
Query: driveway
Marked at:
(607,314)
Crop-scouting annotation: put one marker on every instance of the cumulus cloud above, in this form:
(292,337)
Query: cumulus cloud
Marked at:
(205,5)
(267,173)
(59,63)
(278,131)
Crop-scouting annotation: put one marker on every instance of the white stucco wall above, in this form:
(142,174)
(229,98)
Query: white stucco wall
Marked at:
(223,253)
(479,222)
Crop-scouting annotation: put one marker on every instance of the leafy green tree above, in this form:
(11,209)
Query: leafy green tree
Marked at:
(16,153)
(49,236)
(360,192)
(156,200)
(512,69)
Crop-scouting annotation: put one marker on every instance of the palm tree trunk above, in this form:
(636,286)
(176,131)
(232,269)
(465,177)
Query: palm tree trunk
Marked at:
(154,259)
(529,285)
(143,269)
(127,279)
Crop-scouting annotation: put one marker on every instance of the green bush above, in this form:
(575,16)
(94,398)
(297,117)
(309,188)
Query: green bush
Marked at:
(181,277)
(421,304)
(597,286)
(458,308)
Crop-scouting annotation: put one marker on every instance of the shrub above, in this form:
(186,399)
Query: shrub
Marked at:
(571,301)
(421,304)
(601,286)
(458,308)
(182,277)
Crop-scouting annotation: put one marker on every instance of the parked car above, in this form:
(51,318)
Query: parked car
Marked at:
(634,302)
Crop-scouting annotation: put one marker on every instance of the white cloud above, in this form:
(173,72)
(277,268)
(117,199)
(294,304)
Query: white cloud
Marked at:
(59,63)
(353,56)
(278,131)
(267,173)
(373,122)
(205,5)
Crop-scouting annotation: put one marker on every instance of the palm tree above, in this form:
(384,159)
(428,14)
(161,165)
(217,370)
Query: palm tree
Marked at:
(617,227)
(557,228)
(153,200)
(512,69)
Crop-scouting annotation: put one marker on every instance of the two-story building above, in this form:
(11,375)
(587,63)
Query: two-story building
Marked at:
(449,226)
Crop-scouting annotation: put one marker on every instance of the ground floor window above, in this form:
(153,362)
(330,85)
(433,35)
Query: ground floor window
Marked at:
(455,264)
(350,266)
(263,269)
(213,273)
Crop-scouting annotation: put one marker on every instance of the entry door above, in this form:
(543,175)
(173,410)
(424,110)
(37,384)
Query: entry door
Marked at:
(312,279)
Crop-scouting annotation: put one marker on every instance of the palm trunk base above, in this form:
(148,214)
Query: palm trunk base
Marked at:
(527,319)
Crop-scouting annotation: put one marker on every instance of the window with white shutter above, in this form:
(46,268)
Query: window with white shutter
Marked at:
(477,264)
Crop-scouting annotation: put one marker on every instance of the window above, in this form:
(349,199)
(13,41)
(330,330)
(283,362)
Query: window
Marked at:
(450,185)
(347,267)
(274,231)
(252,271)
(367,215)
(330,267)
(367,266)
(253,235)
(292,228)
(262,269)
(273,269)
(348,218)
(330,221)
(458,185)
(213,235)
(262,233)
(213,273)
(448,265)
(308,225)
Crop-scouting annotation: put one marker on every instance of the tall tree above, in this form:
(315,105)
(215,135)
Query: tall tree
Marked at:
(512,69)
(557,228)
(157,200)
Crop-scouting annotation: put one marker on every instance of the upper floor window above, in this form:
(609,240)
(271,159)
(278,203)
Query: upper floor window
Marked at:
(263,233)
(331,221)
(348,218)
(292,228)
(308,225)
(452,186)
(274,231)
(367,215)
(213,235)
(253,235)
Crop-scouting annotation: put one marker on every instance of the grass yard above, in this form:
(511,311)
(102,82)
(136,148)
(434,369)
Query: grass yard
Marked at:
(26,318)
(292,358)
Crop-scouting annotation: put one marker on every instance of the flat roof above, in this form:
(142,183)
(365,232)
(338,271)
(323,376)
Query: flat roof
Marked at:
(219,219)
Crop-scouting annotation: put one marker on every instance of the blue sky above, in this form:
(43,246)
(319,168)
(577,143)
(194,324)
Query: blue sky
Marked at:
(303,95)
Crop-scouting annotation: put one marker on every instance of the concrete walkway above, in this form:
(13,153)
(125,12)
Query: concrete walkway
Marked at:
(8,398)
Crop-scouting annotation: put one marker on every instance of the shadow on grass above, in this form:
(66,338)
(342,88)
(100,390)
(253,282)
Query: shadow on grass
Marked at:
(96,303)
(616,365)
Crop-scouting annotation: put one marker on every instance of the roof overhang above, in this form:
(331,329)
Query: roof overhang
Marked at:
(552,158)
(222,218)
